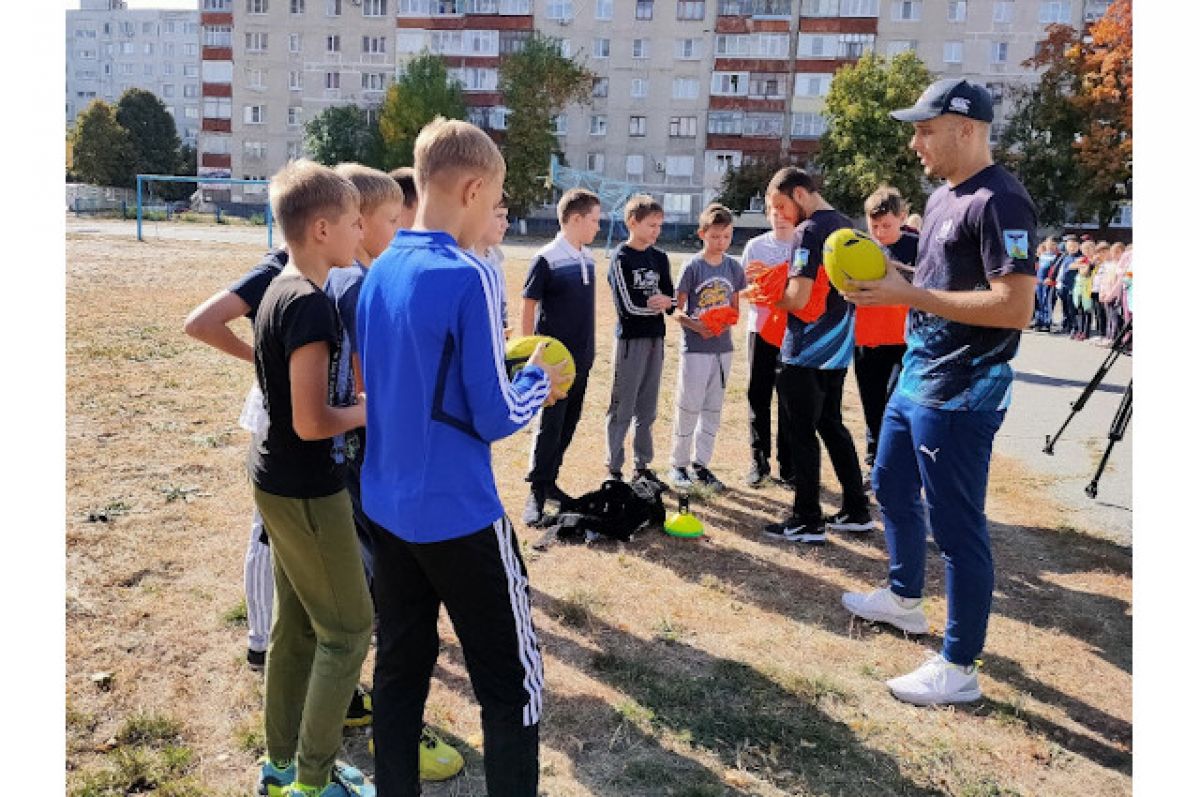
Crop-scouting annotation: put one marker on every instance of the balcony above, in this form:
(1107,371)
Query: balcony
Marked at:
(766,9)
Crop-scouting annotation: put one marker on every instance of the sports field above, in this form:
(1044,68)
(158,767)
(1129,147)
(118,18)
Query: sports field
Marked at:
(723,666)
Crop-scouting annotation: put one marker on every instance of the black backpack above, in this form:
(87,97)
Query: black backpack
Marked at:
(616,510)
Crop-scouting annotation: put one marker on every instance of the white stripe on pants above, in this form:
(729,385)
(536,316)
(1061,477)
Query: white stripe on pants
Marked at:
(699,394)
(260,586)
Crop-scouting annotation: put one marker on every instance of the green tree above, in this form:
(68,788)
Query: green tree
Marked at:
(863,146)
(185,166)
(340,134)
(741,184)
(151,132)
(537,83)
(423,92)
(102,153)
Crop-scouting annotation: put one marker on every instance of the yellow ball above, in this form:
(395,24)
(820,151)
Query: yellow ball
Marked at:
(850,254)
(519,350)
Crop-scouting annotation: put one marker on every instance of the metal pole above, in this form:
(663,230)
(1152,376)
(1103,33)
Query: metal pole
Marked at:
(270,228)
(139,207)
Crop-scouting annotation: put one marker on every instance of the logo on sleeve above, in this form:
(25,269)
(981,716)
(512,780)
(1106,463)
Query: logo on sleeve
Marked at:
(800,258)
(1016,243)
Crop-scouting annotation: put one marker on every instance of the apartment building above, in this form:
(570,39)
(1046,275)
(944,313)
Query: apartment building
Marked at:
(111,49)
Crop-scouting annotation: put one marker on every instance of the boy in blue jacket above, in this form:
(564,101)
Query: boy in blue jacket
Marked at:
(431,343)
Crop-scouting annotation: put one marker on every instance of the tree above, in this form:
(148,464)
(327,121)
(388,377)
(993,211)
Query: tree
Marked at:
(102,153)
(185,166)
(340,134)
(863,146)
(151,132)
(537,83)
(423,92)
(743,183)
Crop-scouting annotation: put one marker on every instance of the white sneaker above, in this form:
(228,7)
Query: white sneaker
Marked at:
(935,682)
(883,606)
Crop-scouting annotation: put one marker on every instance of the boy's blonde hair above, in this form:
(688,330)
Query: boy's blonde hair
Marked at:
(576,202)
(450,147)
(374,187)
(302,191)
(885,199)
(640,206)
(715,215)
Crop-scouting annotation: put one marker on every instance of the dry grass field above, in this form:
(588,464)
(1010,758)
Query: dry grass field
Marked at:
(723,666)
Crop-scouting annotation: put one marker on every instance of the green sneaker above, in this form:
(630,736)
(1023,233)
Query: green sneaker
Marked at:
(273,781)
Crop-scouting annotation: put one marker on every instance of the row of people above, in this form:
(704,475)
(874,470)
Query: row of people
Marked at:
(1093,283)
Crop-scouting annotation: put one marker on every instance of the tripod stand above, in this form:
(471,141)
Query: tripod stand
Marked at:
(1120,345)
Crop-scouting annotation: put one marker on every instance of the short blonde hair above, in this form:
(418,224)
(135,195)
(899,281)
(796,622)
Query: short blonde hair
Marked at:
(446,148)
(374,187)
(302,191)
(640,206)
(885,199)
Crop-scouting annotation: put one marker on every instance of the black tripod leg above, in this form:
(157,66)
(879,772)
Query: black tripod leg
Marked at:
(1116,432)
(1079,403)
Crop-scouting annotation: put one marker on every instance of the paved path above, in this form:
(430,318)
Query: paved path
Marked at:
(1051,372)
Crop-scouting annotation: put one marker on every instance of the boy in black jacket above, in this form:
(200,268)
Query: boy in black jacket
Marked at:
(640,277)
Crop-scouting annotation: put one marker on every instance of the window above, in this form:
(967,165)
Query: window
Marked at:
(725,123)
(333,80)
(147,49)
(957,11)
(148,70)
(685,88)
(1057,11)
(126,48)
(600,48)
(599,124)
(816,45)
(295,80)
(897,47)
(681,166)
(256,6)
(295,116)
(644,9)
(255,78)
(191,91)
(126,69)
(860,8)
(721,162)
(906,10)
(952,52)
(689,49)
(333,43)
(682,127)
(819,8)
(560,125)
(562,10)
(295,150)
(637,87)
(88,55)
(374,8)
(410,42)
(997,92)
(374,81)
(333,8)
(600,87)
(296,7)
(191,50)
(999,52)
(168,90)
(763,125)
(768,85)
(604,9)
(475,78)
(191,112)
(853,45)
(807,124)
(217,108)
(1002,11)
(191,28)
(294,42)
(689,9)
(85,33)
(565,48)
(637,125)
(730,84)
(217,36)
(641,48)
(635,166)
(595,162)
(374,44)
(254,114)
(255,150)
(677,204)
(193,70)
(256,42)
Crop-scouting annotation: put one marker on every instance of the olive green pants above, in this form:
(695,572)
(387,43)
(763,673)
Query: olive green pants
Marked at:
(322,629)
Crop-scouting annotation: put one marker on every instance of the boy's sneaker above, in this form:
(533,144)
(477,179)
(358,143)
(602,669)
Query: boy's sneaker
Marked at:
(272,781)
(679,479)
(844,521)
(359,712)
(438,760)
(256,659)
(936,682)
(650,476)
(758,474)
(792,530)
(616,475)
(705,477)
(339,786)
(884,606)
(534,505)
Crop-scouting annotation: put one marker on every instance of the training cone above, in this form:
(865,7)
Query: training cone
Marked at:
(519,350)
(850,254)
(683,523)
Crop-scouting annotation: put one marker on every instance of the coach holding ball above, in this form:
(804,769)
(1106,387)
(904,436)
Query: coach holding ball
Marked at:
(971,294)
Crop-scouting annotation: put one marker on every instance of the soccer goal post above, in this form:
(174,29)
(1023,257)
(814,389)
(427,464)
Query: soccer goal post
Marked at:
(148,179)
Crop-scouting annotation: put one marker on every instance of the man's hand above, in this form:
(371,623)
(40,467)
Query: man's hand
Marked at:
(555,372)
(891,290)
(659,303)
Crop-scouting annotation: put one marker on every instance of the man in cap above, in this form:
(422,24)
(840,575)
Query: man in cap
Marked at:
(971,295)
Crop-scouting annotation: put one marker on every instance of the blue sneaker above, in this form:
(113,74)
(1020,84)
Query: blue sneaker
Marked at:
(273,781)
(339,786)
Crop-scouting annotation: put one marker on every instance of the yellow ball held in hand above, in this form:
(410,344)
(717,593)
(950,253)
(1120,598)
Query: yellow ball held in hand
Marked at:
(850,254)
(519,350)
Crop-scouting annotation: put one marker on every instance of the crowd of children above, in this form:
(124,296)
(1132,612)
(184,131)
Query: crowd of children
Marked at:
(1092,284)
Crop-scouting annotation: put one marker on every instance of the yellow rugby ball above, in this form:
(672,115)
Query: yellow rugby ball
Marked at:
(519,350)
(850,254)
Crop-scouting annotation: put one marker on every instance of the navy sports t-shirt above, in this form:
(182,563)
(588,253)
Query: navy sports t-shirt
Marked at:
(828,342)
(981,229)
(253,284)
(562,279)
(342,286)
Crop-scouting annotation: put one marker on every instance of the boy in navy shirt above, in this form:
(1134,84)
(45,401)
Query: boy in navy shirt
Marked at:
(971,295)
(432,348)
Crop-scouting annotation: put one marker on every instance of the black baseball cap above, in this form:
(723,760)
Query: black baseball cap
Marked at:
(949,95)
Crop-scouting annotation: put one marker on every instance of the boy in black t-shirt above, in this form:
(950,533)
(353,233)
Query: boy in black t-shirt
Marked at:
(323,619)
(640,278)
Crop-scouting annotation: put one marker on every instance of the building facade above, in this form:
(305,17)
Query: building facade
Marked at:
(111,49)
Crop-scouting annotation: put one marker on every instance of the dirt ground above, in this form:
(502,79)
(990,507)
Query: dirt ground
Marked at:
(724,665)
